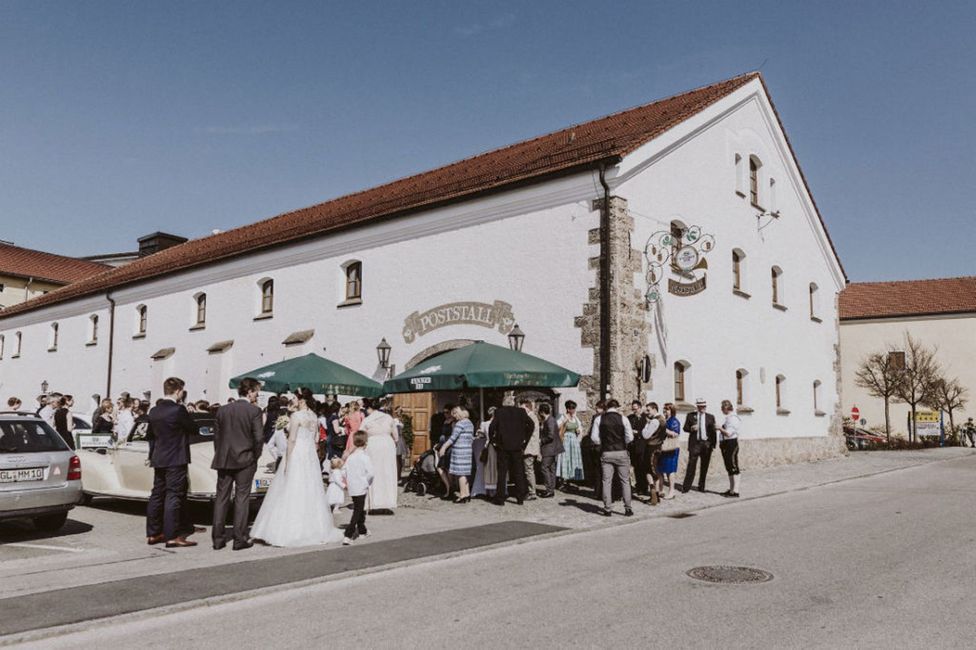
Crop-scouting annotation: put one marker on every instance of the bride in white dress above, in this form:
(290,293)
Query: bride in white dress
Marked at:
(296,511)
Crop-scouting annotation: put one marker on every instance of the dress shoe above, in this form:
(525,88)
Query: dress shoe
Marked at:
(241,546)
(606,513)
(547,495)
(180,542)
(521,502)
(155,539)
(628,512)
(219,544)
(199,529)
(498,502)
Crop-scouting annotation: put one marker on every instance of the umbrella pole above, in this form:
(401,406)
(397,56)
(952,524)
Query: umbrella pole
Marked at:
(481,403)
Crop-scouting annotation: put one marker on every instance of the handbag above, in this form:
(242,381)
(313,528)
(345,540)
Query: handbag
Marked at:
(670,444)
(483,456)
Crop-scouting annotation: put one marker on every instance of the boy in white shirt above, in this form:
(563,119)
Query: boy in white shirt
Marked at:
(359,476)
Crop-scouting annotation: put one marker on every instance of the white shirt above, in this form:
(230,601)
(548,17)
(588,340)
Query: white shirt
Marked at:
(595,433)
(123,425)
(359,472)
(651,427)
(731,425)
(47,414)
(278,444)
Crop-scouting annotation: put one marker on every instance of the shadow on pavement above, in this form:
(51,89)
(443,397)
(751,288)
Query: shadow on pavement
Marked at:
(23,530)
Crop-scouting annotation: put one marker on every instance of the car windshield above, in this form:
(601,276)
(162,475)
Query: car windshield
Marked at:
(23,436)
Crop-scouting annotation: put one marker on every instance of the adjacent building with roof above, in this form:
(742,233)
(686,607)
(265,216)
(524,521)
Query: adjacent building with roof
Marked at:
(668,252)
(26,273)
(875,316)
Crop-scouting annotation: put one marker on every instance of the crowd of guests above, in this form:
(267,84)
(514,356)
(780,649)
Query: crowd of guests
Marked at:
(618,456)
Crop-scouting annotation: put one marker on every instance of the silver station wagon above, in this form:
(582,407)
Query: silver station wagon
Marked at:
(40,477)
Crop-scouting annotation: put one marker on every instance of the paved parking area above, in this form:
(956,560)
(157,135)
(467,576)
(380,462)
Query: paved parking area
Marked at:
(106,541)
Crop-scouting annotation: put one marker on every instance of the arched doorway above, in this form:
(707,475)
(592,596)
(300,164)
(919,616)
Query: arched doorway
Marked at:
(422,406)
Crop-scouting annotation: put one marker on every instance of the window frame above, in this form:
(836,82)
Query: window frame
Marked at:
(18,345)
(354,286)
(200,309)
(266,288)
(680,381)
(776,286)
(3,345)
(142,320)
(93,329)
(55,331)
(814,291)
(754,181)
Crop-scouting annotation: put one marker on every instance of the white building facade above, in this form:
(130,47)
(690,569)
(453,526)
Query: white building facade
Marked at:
(435,278)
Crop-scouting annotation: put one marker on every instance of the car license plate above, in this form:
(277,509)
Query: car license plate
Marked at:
(16,475)
(262,484)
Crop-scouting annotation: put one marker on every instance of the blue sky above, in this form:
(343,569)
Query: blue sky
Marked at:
(120,119)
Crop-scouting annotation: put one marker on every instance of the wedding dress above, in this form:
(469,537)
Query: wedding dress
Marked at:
(296,511)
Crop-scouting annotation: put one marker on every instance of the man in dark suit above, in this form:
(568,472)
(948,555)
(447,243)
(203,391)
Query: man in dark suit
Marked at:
(702,440)
(551,445)
(638,448)
(238,441)
(169,430)
(509,433)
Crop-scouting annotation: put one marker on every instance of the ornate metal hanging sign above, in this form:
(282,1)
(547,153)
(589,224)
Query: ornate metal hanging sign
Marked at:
(684,255)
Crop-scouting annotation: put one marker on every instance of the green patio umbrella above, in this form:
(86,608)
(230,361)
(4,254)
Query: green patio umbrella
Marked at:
(322,376)
(481,365)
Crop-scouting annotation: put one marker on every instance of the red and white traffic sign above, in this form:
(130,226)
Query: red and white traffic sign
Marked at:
(855,413)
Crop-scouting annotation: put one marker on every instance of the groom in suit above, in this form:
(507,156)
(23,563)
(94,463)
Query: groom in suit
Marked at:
(702,440)
(238,441)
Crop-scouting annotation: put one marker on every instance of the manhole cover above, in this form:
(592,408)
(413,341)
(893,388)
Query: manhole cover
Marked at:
(730,574)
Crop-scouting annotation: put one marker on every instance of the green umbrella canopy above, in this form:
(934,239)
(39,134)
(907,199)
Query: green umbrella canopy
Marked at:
(321,376)
(481,365)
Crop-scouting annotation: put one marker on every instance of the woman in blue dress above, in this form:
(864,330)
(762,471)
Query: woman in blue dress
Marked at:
(569,465)
(667,461)
(460,443)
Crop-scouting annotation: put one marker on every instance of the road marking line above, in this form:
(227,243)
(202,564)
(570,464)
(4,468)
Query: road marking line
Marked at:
(44,547)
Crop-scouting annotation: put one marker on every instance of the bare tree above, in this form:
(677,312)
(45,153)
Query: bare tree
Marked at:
(948,395)
(917,379)
(880,376)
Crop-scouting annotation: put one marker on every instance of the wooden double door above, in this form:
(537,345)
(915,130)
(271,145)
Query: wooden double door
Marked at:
(419,406)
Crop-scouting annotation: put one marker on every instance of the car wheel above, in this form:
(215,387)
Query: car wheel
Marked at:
(421,489)
(51,522)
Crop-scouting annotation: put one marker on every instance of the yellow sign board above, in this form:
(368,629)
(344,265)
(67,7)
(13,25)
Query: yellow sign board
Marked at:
(926,416)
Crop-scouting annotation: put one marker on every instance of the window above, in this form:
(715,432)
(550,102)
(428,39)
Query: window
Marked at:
(816,396)
(201,309)
(754,166)
(776,275)
(93,329)
(267,296)
(142,319)
(813,302)
(54,337)
(2,340)
(18,340)
(780,392)
(738,261)
(741,387)
(680,380)
(896,359)
(771,199)
(354,281)
(739,176)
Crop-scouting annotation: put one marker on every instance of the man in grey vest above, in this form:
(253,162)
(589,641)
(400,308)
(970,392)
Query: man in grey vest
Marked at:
(612,433)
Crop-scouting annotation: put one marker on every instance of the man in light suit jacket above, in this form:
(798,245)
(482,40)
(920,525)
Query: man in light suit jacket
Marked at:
(238,442)
(168,433)
(702,440)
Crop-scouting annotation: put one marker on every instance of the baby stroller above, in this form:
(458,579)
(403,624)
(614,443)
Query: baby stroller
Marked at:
(423,477)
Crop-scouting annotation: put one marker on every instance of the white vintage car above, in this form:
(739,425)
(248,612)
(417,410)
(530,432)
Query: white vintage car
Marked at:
(123,471)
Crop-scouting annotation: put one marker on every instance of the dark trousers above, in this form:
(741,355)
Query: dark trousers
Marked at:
(357,525)
(511,461)
(548,467)
(592,472)
(638,459)
(163,514)
(698,453)
(236,482)
(730,455)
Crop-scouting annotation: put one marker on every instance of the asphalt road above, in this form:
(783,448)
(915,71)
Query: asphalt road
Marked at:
(885,561)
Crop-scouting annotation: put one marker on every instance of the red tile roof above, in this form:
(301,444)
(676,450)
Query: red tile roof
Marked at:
(908,298)
(57,269)
(582,146)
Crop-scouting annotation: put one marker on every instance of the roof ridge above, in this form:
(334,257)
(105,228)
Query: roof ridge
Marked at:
(487,152)
(954,277)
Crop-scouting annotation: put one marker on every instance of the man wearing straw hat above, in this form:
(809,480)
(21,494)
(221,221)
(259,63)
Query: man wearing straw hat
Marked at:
(702,440)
